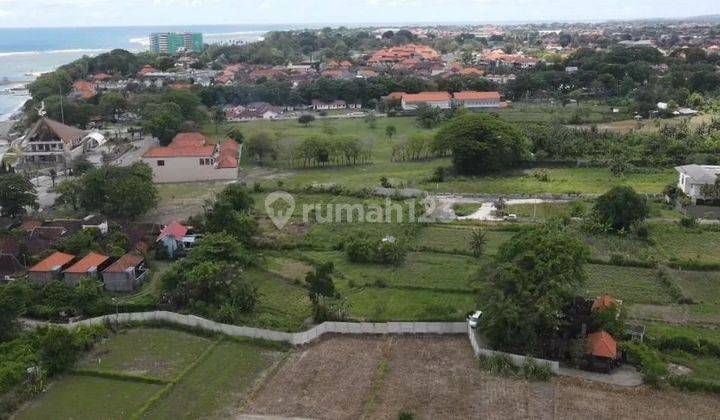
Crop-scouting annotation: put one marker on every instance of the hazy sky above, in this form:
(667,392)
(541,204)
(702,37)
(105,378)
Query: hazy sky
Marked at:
(31,13)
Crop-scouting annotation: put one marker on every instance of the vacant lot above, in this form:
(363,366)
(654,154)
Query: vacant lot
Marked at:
(437,377)
(167,374)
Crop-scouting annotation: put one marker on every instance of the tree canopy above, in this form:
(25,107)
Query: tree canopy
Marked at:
(533,277)
(482,143)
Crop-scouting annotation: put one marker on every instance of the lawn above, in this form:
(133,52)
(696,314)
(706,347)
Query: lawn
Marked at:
(383,304)
(283,305)
(153,352)
(701,286)
(674,241)
(206,377)
(420,270)
(560,181)
(84,397)
(630,284)
(542,210)
(455,238)
(217,386)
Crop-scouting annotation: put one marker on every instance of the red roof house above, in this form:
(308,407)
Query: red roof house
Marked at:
(174,230)
(50,268)
(603,302)
(602,345)
(89,266)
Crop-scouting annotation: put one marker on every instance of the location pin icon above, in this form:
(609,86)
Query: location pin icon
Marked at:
(279,217)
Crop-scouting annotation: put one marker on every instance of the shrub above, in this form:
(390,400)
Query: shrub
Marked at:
(652,366)
(498,364)
(688,222)
(620,208)
(534,371)
(360,250)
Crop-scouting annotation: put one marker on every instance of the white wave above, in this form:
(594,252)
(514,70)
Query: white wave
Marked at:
(14,112)
(144,41)
(69,51)
(228,34)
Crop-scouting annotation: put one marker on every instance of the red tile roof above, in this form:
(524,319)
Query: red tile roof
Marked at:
(602,344)
(174,230)
(603,302)
(183,145)
(173,152)
(126,261)
(91,260)
(426,97)
(228,155)
(57,259)
(476,96)
(188,139)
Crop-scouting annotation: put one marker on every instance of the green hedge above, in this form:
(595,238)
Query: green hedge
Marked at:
(694,384)
(652,366)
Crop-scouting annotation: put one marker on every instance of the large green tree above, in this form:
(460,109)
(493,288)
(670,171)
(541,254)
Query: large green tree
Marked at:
(527,286)
(125,192)
(620,207)
(482,143)
(16,193)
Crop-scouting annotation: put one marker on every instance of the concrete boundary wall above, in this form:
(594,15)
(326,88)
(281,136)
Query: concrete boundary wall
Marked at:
(298,338)
(516,358)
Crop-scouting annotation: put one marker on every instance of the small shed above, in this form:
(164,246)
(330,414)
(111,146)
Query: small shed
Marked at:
(50,269)
(125,274)
(602,352)
(88,267)
(171,238)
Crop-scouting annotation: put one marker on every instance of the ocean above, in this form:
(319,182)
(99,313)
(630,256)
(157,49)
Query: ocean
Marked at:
(27,52)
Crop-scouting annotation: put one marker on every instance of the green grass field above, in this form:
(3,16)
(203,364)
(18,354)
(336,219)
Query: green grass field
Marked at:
(153,352)
(217,387)
(83,397)
(455,238)
(205,378)
(283,305)
(630,284)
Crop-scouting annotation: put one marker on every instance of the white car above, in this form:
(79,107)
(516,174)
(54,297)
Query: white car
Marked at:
(474,319)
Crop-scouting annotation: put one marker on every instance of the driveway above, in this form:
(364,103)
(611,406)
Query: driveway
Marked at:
(486,210)
(134,155)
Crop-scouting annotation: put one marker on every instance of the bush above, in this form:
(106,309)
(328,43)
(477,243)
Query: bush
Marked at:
(620,208)
(534,371)
(653,368)
(688,222)
(498,364)
(360,250)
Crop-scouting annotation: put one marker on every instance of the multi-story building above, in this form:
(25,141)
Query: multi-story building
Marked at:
(190,157)
(50,141)
(175,42)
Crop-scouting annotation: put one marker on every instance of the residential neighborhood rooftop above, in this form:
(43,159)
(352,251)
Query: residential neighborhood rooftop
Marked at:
(87,263)
(53,262)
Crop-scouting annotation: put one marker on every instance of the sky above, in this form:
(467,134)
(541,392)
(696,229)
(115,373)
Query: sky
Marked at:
(52,13)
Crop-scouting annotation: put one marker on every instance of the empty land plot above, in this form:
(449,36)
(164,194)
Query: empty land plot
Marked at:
(456,238)
(154,352)
(701,286)
(675,242)
(437,377)
(85,397)
(218,385)
(631,284)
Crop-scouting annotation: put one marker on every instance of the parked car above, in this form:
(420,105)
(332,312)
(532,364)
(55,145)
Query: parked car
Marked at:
(474,319)
(511,217)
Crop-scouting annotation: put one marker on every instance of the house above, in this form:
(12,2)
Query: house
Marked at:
(50,141)
(190,157)
(433,99)
(693,177)
(50,269)
(125,274)
(604,302)
(83,90)
(171,238)
(320,105)
(393,55)
(89,266)
(602,352)
(472,99)
(254,111)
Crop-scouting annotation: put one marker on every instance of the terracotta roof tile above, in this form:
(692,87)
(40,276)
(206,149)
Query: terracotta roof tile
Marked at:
(426,97)
(172,152)
(126,261)
(58,259)
(87,262)
(476,96)
(602,344)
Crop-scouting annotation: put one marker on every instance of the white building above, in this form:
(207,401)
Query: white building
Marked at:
(50,141)
(190,158)
(693,177)
(433,99)
(471,99)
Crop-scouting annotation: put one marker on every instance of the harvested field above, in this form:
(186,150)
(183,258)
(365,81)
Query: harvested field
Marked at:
(437,377)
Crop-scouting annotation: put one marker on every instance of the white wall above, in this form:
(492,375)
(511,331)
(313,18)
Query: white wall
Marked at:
(187,169)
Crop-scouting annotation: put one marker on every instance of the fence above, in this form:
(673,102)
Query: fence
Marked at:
(516,358)
(298,338)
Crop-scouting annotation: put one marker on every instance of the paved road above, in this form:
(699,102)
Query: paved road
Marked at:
(139,148)
(625,375)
